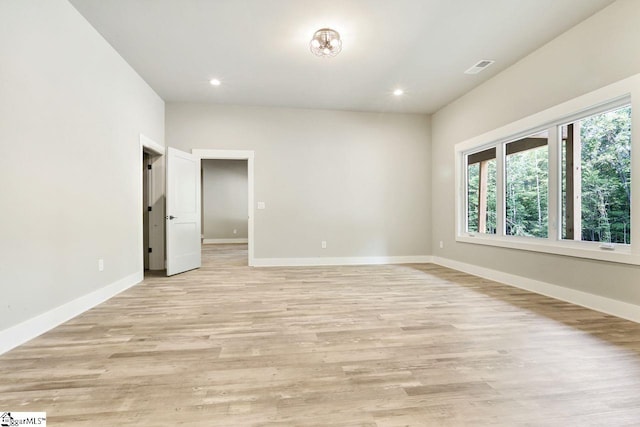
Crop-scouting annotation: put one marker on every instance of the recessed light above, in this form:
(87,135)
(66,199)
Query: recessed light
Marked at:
(398,92)
(214,82)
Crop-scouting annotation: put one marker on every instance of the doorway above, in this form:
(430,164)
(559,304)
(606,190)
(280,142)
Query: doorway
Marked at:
(151,205)
(234,171)
(224,201)
(146,206)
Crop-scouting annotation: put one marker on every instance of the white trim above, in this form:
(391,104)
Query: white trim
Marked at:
(151,145)
(554,186)
(223,241)
(249,156)
(31,328)
(223,154)
(375,260)
(501,201)
(584,299)
(620,254)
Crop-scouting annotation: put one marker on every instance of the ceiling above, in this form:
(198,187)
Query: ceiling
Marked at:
(259,49)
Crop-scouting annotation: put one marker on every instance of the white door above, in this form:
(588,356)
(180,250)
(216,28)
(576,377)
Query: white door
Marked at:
(183,212)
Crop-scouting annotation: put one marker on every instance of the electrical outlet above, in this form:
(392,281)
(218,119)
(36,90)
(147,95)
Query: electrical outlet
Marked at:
(261,205)
(100,264)
(441,244)
(323,244)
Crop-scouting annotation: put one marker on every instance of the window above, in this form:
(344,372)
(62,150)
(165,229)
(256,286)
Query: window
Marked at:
(563,188)
(527,183)
(596,178)
(481,192)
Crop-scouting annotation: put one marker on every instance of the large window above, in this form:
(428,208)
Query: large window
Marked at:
(566,181)
(596,177)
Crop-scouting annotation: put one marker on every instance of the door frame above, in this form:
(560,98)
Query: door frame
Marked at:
(156,237)
(248,155)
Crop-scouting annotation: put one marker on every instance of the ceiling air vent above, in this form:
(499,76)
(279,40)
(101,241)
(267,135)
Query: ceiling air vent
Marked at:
(481,65)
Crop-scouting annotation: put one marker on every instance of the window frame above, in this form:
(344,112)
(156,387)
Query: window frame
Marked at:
(617,95)
(466,179)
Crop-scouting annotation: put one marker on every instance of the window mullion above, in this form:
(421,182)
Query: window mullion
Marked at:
(500,195)
(635,175)
(554,204)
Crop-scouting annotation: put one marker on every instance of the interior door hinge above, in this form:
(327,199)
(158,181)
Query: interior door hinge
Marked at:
(150,250)
(149,167)
(149,208)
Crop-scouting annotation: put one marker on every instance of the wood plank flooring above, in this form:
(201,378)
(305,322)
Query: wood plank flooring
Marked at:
(383,346)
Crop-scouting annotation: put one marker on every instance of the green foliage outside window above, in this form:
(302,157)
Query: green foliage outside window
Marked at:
(606,177)
(527,193)
(473,176)
(473,182)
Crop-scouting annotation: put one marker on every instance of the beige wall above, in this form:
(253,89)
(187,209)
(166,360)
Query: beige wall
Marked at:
(224,199)
(360,181)
(71,111)
(599,51)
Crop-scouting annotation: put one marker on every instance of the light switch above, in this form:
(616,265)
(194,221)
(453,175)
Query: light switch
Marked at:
(261,205)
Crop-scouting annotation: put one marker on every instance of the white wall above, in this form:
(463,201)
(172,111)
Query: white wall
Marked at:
(224,199)
(71,111)
(360,181)
(601,50)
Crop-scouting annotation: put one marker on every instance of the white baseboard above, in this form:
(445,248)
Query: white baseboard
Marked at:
(221,241)
(307,262)
(31,328)
(595,302)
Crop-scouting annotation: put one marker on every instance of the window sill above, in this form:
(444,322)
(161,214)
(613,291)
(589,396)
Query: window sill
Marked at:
(589,250)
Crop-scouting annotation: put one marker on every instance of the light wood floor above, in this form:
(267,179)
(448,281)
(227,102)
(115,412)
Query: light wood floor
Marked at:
(410,345)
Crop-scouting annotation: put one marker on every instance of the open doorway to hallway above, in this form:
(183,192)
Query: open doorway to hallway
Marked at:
(225,202)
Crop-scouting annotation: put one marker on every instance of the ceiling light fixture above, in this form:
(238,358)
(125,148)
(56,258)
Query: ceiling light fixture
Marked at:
(214,82)
(398,92)
(326,42)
